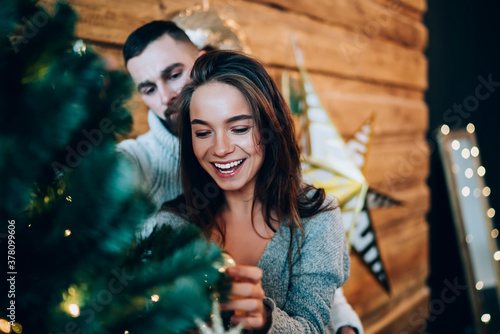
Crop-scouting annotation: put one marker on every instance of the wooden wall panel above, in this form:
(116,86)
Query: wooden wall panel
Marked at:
(383,75)
(365,17)
(326,48)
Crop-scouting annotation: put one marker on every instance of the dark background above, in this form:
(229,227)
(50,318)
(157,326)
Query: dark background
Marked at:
(463,44)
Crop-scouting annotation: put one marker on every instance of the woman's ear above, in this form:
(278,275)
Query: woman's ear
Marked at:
(201,53)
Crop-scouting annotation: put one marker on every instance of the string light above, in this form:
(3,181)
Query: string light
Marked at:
(496,256)
(486,191)
(74,310)
(67,233)
(481,171)
(474,151)
(17,328)
(445,129)
(455,145)
(4,326)
(46,199)
(494,233)
(465,153)
(486,318)
(69,199)
(468,238)
(469,173)
(491,212)
(477,192)
(155,298)
(470,128)
(479,285)
(465,191)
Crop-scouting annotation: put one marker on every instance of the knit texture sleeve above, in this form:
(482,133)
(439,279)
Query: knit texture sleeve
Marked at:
(343,314)
(137,156)
(323,267)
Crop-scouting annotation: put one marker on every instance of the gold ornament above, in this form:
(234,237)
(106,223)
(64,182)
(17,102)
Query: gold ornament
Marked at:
(211,29)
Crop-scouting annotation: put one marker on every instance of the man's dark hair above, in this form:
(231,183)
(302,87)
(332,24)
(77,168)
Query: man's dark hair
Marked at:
(148,33)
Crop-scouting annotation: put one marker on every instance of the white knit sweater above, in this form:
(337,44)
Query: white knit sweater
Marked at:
(155,155)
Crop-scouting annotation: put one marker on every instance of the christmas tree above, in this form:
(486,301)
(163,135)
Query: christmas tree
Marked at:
(70,205)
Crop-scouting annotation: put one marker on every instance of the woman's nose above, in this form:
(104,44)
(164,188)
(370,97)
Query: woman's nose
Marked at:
(223,145)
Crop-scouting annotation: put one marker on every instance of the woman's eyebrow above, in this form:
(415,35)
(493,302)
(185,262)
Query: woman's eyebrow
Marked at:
(229,120)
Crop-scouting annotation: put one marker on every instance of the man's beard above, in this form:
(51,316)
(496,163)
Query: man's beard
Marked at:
(171,123)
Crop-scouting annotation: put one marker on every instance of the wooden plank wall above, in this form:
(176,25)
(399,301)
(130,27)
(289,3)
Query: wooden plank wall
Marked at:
(365,57)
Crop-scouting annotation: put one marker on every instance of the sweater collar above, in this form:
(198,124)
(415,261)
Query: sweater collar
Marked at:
(161,133)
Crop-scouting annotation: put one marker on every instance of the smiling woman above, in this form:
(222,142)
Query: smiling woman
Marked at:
(237,137)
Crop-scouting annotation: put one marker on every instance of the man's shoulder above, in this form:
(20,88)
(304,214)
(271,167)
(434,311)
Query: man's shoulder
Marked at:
(135,146)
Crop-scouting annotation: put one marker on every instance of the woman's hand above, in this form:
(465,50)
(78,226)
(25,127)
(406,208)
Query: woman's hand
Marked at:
(247,298)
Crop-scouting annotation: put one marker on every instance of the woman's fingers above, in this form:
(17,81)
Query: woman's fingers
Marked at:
(246,305)
(245,273)
(247,297)
(255,321)
(247,290)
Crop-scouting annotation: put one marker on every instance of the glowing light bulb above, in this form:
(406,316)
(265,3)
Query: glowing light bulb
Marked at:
(486,191)
(69,199)
(481,171)
(496,256)
(486,318)
(491,212)
(470,128)
(17,328)
(465,191)
(494,233)
(445,129)
(465,153)
(468,173)
(474,151)
(455,145)
(468,238)
(155,298)
(74,310)
(67,233)
(479,285)
(4,326)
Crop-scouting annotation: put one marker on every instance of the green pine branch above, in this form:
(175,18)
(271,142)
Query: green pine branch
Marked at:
(74,200)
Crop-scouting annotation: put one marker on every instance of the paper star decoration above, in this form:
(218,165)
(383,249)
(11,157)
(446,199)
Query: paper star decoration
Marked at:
(336,166)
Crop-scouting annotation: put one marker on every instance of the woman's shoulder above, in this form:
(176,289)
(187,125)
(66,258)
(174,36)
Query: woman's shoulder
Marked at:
(328,217)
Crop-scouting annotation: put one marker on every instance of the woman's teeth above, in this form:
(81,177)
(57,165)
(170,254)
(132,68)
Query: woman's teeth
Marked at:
(223,167)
